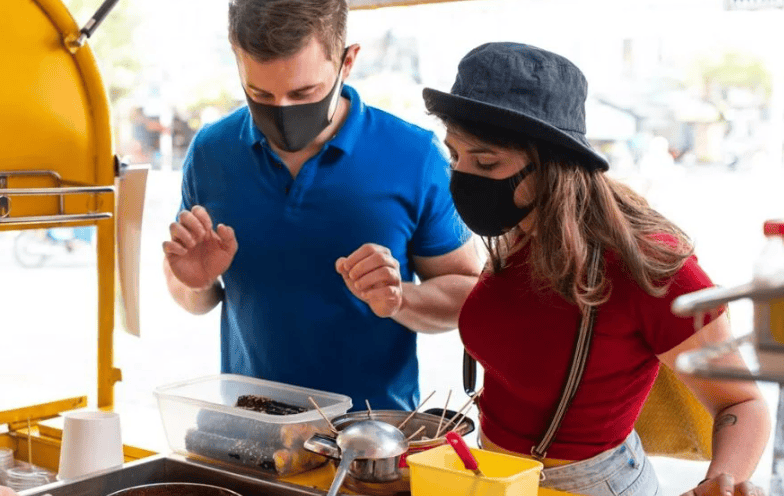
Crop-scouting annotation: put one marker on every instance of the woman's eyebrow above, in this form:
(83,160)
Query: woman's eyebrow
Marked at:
(481,149)
(478,149)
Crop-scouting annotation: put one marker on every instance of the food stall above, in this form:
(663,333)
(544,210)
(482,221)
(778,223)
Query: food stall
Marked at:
(80,182)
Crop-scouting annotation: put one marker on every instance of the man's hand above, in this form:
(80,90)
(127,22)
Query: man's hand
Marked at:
(197,254)
(372,274)
(724,485)
(4,491)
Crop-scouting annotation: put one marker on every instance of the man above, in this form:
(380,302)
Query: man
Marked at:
(307,214)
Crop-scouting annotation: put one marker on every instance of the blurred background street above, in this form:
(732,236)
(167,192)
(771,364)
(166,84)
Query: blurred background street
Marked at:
(686,99)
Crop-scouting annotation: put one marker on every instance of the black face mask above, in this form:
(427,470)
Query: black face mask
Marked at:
(487,205)
(293,127)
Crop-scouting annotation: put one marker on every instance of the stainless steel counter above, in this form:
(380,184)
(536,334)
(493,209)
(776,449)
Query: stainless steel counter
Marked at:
(170,468)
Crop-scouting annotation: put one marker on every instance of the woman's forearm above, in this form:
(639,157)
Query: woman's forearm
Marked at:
(740,433)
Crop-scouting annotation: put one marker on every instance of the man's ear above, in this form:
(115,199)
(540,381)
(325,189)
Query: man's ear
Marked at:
(351,57)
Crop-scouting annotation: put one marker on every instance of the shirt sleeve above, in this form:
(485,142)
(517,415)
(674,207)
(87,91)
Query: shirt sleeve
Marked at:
(440,229)
(663,330)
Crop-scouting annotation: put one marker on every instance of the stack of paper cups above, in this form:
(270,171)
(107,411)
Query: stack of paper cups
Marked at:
(91,442)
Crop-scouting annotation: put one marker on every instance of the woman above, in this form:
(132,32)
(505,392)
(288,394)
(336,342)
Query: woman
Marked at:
(525,178)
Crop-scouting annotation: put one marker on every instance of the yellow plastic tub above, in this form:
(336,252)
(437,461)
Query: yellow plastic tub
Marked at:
(439,471)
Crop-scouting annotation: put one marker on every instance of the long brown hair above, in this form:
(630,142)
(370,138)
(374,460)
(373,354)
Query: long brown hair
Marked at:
(575,209)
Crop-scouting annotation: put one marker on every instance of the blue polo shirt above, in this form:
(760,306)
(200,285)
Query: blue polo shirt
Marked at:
(287,315)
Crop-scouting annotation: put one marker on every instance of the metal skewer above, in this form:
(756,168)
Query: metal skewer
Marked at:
(370,410)
(329,423)
(404,422)
(462,410)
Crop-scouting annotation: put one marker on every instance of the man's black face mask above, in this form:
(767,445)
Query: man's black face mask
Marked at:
(293,127)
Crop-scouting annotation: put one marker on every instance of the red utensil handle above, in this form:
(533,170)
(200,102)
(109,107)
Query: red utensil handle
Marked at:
(460,446)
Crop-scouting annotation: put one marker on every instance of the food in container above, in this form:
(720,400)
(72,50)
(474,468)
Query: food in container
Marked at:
(201,419)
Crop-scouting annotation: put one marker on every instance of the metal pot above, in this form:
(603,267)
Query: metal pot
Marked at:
(364,469)
(387,475)
(175,489)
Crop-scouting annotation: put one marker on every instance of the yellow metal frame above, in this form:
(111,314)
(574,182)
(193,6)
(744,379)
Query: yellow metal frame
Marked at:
(92,141)
(40,108)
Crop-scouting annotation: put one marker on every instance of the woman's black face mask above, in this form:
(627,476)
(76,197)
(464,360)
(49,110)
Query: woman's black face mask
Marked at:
(293,127)
(487,205)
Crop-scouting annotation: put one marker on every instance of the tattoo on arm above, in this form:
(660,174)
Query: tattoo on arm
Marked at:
(724,421)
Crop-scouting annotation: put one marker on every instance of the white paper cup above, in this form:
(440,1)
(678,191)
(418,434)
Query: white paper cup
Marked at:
(91,442)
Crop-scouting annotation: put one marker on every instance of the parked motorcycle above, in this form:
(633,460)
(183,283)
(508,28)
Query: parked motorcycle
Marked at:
(34,247)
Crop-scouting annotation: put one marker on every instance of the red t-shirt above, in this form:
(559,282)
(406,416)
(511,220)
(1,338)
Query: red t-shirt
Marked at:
(524,340)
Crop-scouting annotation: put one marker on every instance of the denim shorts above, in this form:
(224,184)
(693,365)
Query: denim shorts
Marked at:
(620,471)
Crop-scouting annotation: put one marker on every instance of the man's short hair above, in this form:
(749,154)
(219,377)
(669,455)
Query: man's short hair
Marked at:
(272,29)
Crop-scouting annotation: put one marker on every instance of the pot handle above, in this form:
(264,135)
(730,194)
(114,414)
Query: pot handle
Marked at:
(340,475)
(323,445)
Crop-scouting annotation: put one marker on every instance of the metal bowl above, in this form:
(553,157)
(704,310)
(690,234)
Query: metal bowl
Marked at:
(175,489)
(420,419)
(389,477)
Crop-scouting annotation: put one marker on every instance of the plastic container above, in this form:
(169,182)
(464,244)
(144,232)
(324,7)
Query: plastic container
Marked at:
(200,420)
(768,272)
(6,462)
(24,476)
(440,471)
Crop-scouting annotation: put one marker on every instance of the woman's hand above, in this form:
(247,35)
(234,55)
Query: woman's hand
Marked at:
(724,485)
(4,491)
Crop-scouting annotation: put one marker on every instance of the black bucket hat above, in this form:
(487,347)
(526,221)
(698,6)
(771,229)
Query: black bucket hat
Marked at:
(521,88)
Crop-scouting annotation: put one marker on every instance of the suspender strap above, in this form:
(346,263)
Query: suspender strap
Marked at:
(579,360)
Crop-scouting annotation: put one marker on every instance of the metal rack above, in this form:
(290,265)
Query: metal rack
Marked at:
(7,194)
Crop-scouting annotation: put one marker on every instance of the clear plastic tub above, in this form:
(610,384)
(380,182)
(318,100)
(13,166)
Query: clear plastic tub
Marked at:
(24,476)
(201,420)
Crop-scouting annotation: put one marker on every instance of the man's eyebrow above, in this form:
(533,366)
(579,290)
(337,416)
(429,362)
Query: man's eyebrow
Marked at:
(298,90)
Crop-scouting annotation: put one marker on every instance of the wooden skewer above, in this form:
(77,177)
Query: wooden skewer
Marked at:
(462,409)
(329,423)
(29,443)
(443,414)
(466,412)
(415,433)
(404,422)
